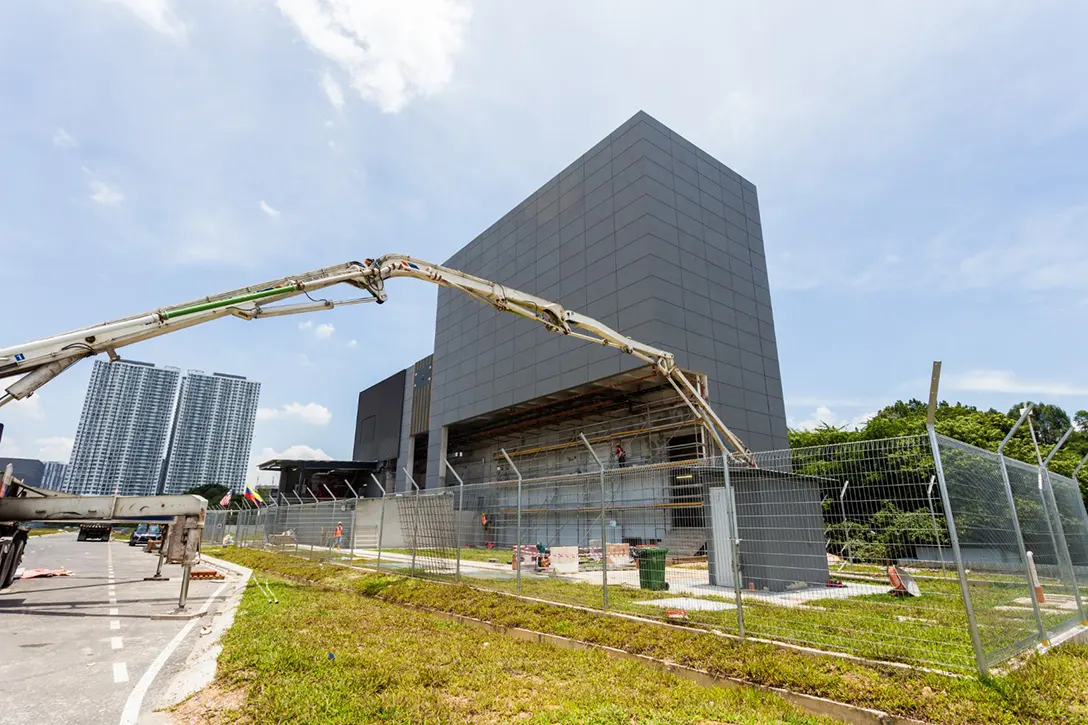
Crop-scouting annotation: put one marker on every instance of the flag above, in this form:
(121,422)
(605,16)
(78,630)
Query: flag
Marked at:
(225,501)
(252,495)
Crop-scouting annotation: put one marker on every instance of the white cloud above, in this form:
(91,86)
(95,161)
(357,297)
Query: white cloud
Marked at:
(297,452)
(10,448)
(63,140)
(105,194)
(392,51)
(1005,381)
(353,343)
(305,361)
(311,413)
(29,408)
(54,448)
(333,91)
(322,332)
(212,234)
(268,209)
(159,16)
(825,416)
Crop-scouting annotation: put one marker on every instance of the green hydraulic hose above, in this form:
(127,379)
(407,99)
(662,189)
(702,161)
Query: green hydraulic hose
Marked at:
(204,306)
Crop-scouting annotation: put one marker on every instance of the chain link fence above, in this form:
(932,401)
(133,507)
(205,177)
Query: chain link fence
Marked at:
(877,549)
(314,530)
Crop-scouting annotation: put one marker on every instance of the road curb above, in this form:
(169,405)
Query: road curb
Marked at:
(198,670)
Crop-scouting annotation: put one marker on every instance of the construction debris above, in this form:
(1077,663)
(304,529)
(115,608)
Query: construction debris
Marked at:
(206,574)
(42,573)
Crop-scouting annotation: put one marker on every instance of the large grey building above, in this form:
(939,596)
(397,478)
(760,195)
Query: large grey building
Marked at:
(212,432)
(30,471)
(122,430)
(648,234)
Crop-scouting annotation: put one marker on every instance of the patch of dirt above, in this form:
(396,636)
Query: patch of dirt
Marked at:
(210,706)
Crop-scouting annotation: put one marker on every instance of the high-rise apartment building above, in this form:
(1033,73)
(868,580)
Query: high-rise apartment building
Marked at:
(213,429)
(122,430)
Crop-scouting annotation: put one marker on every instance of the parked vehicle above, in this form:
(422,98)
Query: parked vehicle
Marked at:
(94,532)
(145,533)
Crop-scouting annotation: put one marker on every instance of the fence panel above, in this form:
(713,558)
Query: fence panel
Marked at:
(429,523)
(1040,527)
(997,574)
(842,547)
(845,547)
(1072,518)
(820,531)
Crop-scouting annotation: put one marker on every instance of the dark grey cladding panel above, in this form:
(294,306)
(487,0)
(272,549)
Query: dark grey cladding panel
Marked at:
(378,420)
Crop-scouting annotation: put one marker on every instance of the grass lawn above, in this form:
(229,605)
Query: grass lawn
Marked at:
(928,631)
(393,665)
(501,556)
(1048,689)
(44,530)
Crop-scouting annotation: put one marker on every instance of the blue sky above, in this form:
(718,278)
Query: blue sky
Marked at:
(921,177)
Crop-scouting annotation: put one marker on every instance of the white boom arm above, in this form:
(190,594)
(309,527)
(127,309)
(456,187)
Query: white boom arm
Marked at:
(40,361)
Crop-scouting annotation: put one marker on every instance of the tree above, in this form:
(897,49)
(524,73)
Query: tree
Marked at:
(1081,420)
(214,492)
(1051,422)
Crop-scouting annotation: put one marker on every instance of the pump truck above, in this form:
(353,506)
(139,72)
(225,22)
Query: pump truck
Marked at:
(37,362)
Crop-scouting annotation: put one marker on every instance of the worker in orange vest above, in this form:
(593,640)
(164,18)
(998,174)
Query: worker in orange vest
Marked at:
(338,535)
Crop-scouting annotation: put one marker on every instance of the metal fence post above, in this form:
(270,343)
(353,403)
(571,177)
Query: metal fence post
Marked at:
(381,521)
(604,529)
(457,514)
(845,521)
(1049,523)
(517,546)
(1016,523)
(415,522)
(933,517)
(1049,492)
(950,520)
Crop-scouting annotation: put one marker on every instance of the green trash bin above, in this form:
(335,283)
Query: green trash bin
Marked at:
(651,569)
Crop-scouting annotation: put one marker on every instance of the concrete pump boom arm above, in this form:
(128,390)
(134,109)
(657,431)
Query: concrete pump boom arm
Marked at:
(39,361)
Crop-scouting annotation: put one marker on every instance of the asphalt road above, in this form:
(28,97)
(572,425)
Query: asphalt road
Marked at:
(74,648)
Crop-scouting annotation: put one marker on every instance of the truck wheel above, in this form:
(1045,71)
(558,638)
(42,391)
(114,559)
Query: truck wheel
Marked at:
(13,559)
(7,551)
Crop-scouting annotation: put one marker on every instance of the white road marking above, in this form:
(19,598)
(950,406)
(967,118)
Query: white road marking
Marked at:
(115,624)
(116,643)
(112,592)
(135,699)
(113,600)
(114,611)
(120,672)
